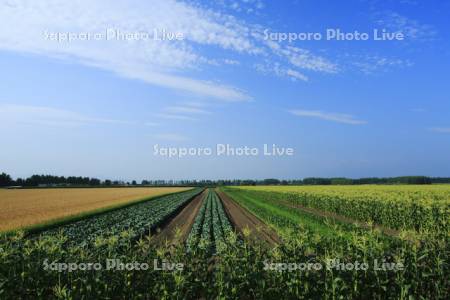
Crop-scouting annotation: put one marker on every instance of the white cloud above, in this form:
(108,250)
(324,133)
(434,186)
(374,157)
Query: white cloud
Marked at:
(334,117)
(175,117)
(304,59)
(412,29)
(196,104)
(199,87)
(231,62)
(247,6)
(168,64)
(441,129)
(296,57)
(186,110)
(172,137)
(41,115)
(370,64)
(279,71)
(23,23)
(296,75)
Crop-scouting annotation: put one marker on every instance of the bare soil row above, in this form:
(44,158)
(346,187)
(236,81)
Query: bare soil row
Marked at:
(245,223)
(243,220)
(177,229)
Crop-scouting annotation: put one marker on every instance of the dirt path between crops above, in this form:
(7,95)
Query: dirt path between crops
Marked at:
(182,223)
(242,219)
(340,218)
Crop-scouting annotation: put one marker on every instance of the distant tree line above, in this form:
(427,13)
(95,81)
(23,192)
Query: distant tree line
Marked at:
(342,181)
(52,181)
(326,181)
(36,180)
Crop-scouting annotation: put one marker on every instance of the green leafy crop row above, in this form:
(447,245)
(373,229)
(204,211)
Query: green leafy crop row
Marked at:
(211,225)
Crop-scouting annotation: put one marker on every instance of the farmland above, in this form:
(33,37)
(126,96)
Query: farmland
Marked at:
(20,208)
(245,243)
(137,220)
(396,207)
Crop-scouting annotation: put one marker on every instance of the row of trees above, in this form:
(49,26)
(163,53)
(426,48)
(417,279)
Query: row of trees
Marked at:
(49,180)
(344,181)
(324,181)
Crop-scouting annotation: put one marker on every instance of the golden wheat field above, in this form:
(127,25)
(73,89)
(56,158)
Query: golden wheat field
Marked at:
(21,208)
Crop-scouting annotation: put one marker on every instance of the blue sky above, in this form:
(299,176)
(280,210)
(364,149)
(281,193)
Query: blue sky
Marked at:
(348,108)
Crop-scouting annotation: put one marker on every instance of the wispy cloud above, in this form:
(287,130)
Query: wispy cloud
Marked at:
(247,6)
(279,71)
(41,115)
(164,63)
(175,117)
(441,129)
(295,75)
(328,116)
(305,59)
(186,109)
(153,61)
(370,64)
(197,104)
(172,137)
(412,29)
(232,62)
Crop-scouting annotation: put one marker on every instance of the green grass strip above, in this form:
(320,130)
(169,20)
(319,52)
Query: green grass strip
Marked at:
(314,223)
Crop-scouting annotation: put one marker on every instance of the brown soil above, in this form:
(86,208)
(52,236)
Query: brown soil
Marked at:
(178,228)
(243,220)
(340,218)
